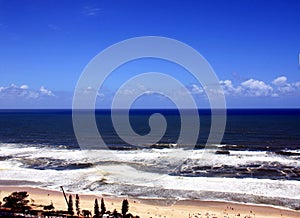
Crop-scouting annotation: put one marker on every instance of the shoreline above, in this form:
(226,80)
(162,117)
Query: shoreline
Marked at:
(154,207)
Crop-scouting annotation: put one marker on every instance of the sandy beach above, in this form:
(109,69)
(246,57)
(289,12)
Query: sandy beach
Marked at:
(147,208)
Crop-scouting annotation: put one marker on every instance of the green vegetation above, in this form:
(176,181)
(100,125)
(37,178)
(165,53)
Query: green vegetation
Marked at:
(17,201)
(125,207)
(103,208)
(96,209)
(70,206)
(77,205)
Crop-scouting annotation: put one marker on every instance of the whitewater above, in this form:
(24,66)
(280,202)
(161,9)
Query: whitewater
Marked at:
(175,173)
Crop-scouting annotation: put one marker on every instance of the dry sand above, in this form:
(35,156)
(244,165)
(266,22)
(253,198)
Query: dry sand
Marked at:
(155,208)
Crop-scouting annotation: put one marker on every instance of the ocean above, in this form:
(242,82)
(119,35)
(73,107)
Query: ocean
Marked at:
(258,160)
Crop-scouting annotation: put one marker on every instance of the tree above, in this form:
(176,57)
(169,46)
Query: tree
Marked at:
(125,207)
(17,201)
(103,208)
(96,209)
(86,213)
(77,205)
(49,207)
(70,206)
(116,214)
(129,215)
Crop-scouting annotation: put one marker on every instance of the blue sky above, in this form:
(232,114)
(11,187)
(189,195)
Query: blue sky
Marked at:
(252,45)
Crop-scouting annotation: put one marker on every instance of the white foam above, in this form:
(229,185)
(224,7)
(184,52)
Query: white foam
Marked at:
(117,172)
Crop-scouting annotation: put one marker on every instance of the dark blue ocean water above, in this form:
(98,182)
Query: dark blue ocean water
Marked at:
(246,129)
(258,160)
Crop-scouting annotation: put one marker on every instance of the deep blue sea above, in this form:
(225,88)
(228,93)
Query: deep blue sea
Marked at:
(249,129)
(258,160)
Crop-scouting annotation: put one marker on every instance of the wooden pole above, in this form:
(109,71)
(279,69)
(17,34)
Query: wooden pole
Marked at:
(64,195)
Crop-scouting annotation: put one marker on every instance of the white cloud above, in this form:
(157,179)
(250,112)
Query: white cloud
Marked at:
(279,87)
(297,84)
(226,83)
(250,87)
(91,92)
(149,92)
(88,90)
(31,94)
(22,92)
(279,81)
(286,88)
(229,88)
(257,88)
(100,95)
(127,92)
(45,91)
(195,89)
(283,87)
(24,87)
